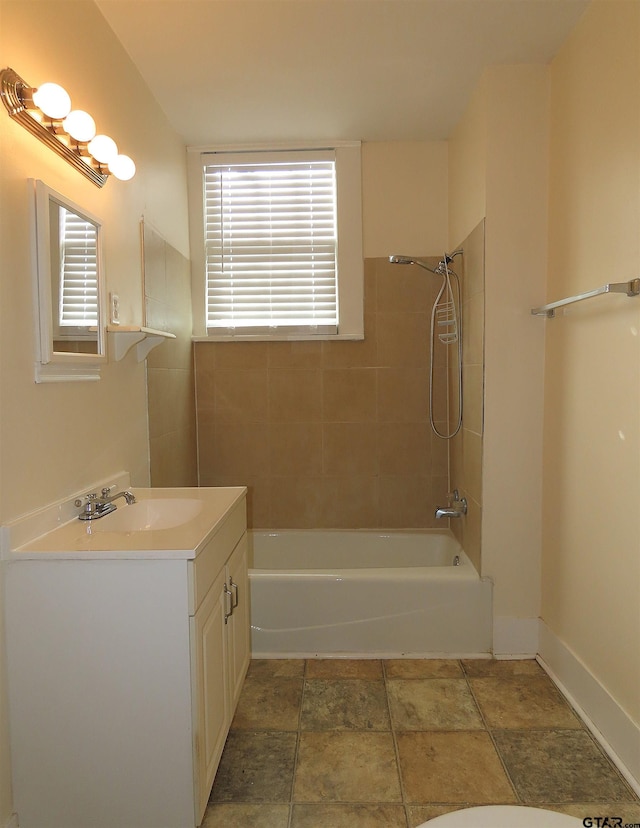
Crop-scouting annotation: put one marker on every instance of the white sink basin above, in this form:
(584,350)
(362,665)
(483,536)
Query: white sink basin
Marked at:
(149,515)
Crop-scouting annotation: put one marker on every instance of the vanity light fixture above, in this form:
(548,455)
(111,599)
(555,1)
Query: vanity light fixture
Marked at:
(46,112)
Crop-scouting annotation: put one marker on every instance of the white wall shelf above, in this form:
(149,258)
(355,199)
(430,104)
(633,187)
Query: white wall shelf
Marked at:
(124,337)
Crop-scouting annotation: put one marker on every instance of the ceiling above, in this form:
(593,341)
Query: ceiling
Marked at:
(247,71)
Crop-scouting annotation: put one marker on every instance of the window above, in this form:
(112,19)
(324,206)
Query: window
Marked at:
(281,244)
(78,305)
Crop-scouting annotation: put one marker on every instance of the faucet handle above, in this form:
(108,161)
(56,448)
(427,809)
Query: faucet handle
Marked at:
(89,504)
(84,501)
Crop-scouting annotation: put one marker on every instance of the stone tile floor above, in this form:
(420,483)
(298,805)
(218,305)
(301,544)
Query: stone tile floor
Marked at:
(392,743)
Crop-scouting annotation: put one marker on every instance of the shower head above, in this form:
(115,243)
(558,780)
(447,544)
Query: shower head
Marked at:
(407,260)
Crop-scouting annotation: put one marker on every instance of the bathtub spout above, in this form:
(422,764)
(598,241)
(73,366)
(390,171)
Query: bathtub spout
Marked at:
(457,509)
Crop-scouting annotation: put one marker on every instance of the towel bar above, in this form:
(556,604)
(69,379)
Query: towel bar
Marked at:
(631,288)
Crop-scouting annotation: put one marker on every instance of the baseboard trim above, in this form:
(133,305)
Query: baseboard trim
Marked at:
(515,637)
(614,730)
(387,654)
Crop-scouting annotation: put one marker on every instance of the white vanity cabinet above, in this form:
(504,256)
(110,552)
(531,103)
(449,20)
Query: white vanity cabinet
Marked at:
(125,667)
(220,635)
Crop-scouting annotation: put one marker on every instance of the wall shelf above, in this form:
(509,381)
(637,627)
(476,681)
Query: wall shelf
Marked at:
(125,337)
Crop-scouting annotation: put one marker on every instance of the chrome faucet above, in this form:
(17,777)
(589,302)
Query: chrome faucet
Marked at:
(94,507)
(106,498)
(457,507)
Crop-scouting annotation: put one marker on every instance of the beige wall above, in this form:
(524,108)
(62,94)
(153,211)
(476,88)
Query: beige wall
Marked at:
(467,168)
(498,169)
(58,438)
(515,269)
(404,198)
(591,540)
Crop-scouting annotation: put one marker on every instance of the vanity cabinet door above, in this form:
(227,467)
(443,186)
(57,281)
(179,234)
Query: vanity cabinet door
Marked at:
(211,706)
(238,623)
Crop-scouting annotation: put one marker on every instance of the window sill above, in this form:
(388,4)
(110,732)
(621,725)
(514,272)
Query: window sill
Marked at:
(279,338)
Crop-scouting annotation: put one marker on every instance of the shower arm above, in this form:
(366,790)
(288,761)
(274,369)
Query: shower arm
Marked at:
(439,270)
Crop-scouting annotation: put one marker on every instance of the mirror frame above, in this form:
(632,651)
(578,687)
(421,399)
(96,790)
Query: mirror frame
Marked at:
(51,365)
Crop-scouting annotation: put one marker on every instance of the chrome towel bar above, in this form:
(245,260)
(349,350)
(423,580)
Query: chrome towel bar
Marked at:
(631,288)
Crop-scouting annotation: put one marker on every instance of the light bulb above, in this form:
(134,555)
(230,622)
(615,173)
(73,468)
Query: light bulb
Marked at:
(80,125)
(53,100)
(103,148)
(122,167)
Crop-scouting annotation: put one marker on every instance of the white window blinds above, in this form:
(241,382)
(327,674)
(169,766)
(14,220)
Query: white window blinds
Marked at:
(270,242)
(78,306)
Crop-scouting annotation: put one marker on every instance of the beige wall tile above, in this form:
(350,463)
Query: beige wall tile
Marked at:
(294,354)
(350,448)
(258,495)
(259,498)
(361,353)
(440,403)
(295,449)
(471,532)
(440,452)
(171,401)
(241,395)
(405,288)
(473,391)
(350,501)
(456,469)
(405,502)
(157,393)
(403,395)
(472,464)
(349,395)
(295,395)
(473,336)
(403,339)
(439,492)
(241,449)
(239,354)
(205,385)
(370,285)
(205,355)
(297,502)
(404,448)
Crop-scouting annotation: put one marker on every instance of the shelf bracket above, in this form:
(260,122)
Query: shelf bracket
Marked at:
(145,339)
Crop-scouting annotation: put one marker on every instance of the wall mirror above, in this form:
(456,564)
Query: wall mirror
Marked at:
(69,288)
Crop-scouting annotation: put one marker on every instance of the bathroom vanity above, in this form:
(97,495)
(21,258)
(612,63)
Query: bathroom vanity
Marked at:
(128,642)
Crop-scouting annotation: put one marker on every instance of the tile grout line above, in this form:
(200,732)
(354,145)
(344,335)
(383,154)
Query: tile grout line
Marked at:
(395,742)
(298,738)
(489,732)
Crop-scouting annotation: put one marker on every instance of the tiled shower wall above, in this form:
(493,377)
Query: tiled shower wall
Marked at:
(466,447)
(170,379)
(331,434)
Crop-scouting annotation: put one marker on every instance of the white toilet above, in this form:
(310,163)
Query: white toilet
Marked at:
(502,816)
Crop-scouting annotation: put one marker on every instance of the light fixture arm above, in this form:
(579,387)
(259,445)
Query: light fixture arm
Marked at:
(17,96)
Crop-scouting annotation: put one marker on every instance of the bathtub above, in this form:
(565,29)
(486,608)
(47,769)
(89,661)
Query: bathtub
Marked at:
(366,594)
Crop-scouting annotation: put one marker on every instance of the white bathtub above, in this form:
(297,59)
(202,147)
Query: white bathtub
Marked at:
(366,593)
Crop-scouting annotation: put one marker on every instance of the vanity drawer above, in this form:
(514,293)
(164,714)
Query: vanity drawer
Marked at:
(205,567)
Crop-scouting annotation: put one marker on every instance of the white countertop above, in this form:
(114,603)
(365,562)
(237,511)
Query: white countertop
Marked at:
(87,540)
